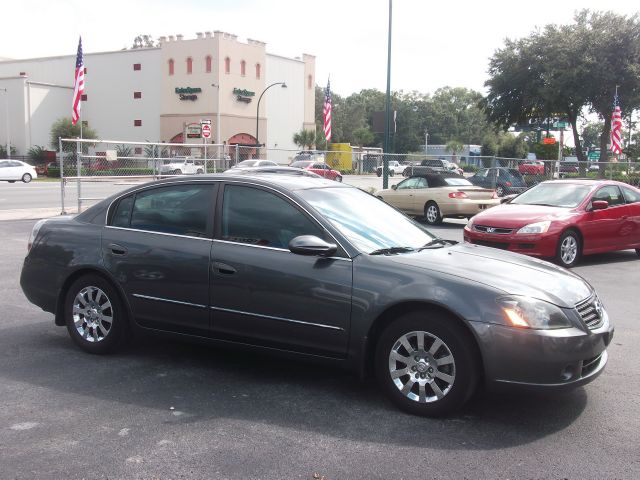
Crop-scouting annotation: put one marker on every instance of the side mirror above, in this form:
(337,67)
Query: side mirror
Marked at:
(394,187)
(312,246)
(508,198)
(599,205)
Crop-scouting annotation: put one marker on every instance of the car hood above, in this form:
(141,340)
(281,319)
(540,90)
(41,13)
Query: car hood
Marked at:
(509,272)
(515,216)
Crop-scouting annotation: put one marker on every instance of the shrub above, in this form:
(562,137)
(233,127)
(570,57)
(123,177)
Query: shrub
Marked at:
(469,168)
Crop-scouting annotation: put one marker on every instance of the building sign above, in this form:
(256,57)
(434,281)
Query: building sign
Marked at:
(188,93)
(243,95)
(193,130)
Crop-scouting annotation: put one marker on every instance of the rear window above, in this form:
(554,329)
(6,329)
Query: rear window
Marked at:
(301,164)
(457,181)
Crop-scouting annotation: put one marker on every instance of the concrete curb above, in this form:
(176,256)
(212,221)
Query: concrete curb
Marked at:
(32,213)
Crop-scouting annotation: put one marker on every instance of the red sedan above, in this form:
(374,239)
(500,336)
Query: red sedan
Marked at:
(563,220)
(319,168)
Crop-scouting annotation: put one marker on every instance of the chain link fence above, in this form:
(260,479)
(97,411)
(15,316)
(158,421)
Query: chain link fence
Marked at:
(80,161)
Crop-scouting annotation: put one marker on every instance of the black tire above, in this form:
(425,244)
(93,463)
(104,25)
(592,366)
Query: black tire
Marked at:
(432,214)
(105,338)
(391,174)
(339,178)
(405,172)
(379,173)
(500,191)
(199,171)
(11,181)
(177,172)
(569,249)
(26,178)
(638,251)
(462,373)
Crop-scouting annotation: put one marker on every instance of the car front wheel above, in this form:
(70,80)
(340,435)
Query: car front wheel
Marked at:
(425,363)
(94,314)
(26,178)
(379,173)
(339,178)
(432,214)
(569,249)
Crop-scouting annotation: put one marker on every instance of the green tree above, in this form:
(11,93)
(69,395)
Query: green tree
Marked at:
(37,154)
(3,151)
(143,41)
(305,138)
(591,134)
(363,136)
(63,128)
(454,146)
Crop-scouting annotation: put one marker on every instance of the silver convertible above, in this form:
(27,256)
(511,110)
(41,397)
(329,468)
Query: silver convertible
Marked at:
(313,269)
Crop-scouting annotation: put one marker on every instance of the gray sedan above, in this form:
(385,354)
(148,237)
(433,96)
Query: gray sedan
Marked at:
(313,269)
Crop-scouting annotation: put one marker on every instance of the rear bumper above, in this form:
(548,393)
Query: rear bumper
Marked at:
(467,208)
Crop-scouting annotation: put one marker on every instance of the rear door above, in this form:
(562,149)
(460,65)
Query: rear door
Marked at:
(631,225)
(157,246)
(263,294)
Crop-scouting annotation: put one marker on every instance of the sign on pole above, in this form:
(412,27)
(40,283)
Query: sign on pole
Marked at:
(206,131)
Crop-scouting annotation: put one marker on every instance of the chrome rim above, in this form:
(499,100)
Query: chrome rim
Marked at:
(499,191)
(422,367)
(92,314)
(432,213)
(568,250)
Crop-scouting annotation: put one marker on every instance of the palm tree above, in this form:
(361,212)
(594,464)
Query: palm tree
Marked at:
(305,138)
(454,146)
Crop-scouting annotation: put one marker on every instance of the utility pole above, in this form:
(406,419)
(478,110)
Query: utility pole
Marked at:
(7,119)
(387,113)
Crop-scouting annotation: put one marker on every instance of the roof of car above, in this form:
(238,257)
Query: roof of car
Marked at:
(586,181)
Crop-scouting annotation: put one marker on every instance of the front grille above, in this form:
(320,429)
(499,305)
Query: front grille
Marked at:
(503,246)
(496,230)
(590,365)
(591,312)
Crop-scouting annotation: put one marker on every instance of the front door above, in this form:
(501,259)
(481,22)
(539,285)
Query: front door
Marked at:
(603,229)
(263,294)
(157,247)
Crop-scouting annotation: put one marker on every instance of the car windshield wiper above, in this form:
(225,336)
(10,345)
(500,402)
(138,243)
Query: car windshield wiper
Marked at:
(392,250)
(437,243)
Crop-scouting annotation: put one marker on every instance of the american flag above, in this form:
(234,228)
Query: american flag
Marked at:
(78,85)
(326,112)
(616,126)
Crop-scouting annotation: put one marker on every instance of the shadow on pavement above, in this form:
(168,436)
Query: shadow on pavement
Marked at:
(206,383)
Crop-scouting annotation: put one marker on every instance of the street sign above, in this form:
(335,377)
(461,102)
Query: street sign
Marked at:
(594,155)
(549,141)
(206,131)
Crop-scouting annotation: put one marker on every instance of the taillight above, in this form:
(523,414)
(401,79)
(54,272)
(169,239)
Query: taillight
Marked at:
(508,184)
(458,195)
(34,233)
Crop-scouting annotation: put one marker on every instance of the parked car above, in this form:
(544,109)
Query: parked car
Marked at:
(531,168)
(319,168)
(454,168)
(504,180)
(568,167)
(394,168)
(315,270)
(13,170)
(271,170)
(563,220)
(255,163)
(438,196)
(308,155)
(181,166)
(426,166)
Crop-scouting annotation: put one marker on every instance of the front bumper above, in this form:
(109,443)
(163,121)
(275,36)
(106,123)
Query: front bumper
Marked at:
(543,246)
(543,360)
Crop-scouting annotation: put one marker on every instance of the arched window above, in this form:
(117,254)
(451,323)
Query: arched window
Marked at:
(309,82)
(171,66)
(258,71)
(189,65)
(207,62)
(227,65)
(243,68)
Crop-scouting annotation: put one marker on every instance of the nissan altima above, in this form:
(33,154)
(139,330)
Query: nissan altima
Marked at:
(313,269)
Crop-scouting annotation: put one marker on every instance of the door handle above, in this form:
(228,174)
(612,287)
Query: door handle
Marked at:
(117,249)
(224,268)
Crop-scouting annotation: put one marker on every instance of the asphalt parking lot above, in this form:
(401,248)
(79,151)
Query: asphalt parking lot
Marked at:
(164,409)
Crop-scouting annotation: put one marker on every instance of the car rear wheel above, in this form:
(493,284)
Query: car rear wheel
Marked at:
(638,251)
(500,190)
(339,178)
(94,314)
(569,249)
(177,172)
(391,173)
(26,178)
(432,214)
(425,363)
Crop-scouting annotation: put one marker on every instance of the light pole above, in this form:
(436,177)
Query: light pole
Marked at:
(387,111)
(426,142)
(7,118)
(284,85)
(217,86)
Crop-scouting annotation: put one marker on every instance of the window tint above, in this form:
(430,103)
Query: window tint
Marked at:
(122,213)
(412,182)
(631,196)
(181,210)
(4,164)
(257,217)
(482,173)
(610,193)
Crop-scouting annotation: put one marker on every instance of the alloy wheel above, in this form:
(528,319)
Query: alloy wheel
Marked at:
(92,314)
(568,249)
(422,367)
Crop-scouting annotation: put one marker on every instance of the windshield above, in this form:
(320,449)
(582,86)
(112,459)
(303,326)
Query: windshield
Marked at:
(554,194)
(457,181)
(368,222)
(301,164)
(247,163)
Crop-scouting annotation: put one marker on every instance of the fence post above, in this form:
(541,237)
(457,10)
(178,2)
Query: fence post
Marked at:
(78,172)
(61,159)
(237,153)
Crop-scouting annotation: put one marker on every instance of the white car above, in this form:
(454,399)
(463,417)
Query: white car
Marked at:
(12,170)
(181,166)
(394,168)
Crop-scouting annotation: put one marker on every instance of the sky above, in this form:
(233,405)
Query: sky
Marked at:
(434,44)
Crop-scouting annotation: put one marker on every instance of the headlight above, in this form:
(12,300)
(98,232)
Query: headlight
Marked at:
(525,312)
(538,227)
